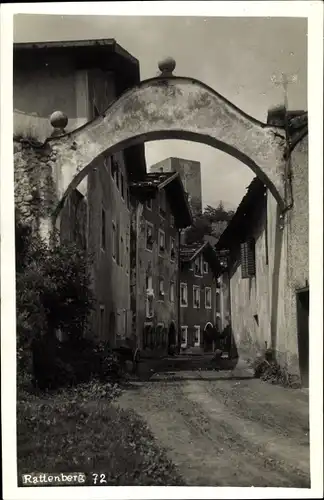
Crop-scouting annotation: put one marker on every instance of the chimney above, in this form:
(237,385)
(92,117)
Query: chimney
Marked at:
(276,116)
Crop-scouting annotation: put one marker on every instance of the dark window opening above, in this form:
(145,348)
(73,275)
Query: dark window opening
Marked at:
(149,237)
(218,303)
(248,258)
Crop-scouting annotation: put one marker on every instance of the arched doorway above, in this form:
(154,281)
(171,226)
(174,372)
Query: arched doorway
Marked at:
(208,339)
(169,107)
(172,336)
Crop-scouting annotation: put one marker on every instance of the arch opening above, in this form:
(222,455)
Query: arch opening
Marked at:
(173,135)
(173,108)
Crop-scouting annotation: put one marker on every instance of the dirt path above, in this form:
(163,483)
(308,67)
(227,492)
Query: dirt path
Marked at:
(222,429)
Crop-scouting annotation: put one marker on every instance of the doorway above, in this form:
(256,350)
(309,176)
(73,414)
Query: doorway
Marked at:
(172,338)
(303,334)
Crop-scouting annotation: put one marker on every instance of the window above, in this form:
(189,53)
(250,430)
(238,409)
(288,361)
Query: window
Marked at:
(198,266)
(161,289)
(196,335)
(149,204)
(114,241)
(162,200)
(149,282)
(191,267)
(122,186)
(147,335)
(161,241)
(183,295)
(248,258)
(172,291)
(207,298)
(196,297)
(184,336)
(103,229)
(172,249)
(206,267)
(149,236)
(102,321)
(171,220)
(149,295)
(218,303)
(149,306)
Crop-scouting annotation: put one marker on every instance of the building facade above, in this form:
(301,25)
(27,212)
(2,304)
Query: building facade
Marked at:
(190,173)
(266,278)
(81,79)
(160,211)
(199,296)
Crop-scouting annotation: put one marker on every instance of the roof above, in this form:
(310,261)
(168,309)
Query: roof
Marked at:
(104,53)
(278,116)
(211,239)
(294,122)
(188,253)
(237,226)
(176,195)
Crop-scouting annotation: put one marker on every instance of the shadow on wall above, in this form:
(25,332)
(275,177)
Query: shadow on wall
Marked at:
(275,280)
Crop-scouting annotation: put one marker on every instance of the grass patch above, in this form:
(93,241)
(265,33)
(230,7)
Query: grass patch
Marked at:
(81,430)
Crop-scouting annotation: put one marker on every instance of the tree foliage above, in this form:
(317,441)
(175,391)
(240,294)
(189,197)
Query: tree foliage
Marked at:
(205,222)
(53,287)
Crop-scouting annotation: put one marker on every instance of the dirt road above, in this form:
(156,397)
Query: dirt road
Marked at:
(227,429)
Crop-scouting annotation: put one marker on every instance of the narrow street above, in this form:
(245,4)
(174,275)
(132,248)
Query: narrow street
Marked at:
(226,428)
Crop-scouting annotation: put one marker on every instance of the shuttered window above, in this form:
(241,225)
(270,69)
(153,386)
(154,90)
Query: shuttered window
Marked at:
(248,258)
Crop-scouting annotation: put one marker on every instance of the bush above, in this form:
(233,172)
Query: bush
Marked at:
(72,362)
(53,292)
(267,369)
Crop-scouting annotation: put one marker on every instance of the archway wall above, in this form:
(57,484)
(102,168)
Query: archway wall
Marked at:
(271,294)
(176,108)
(293,270)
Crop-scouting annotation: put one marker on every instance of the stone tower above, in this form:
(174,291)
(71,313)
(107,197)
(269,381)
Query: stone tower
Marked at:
(190,172)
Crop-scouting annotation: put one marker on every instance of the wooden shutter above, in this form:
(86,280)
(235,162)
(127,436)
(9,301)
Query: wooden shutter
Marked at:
(248,258)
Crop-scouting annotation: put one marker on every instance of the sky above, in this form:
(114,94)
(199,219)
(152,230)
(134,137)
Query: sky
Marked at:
(238,57)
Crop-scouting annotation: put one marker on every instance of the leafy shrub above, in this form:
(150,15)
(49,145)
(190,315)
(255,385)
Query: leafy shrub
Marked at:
(267,369)
(53,292)
(72,362)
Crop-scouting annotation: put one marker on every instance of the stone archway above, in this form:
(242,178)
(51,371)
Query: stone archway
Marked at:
(169,107)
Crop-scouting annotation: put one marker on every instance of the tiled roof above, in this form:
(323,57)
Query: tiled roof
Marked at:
(187,252)
(176,195)
(153,179)
(233,231)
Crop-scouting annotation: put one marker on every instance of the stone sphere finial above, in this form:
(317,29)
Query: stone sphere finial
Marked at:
(167,66)
(59,121)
